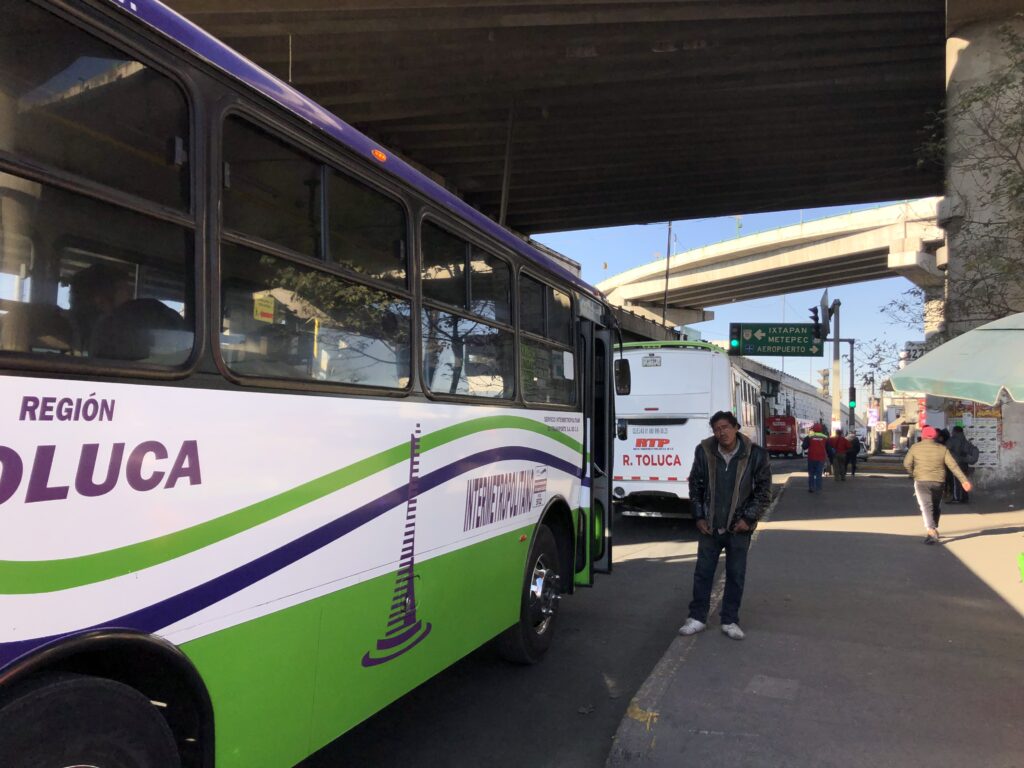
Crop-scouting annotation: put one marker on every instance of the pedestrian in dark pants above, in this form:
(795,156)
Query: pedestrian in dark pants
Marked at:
(815,445)
(840,446)
(852,453)
(927,462)
(730,489)
(964,453)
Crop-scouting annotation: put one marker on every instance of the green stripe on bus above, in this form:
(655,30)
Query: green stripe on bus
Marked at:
(20,577)
(454,432)
(300,666)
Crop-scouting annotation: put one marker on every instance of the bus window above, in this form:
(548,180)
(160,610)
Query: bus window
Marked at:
(367,230)
(559,317)
(531,306)
(466,357)
(96,280)
(549,374)
(272,191)
(444,266)
(470,355)
(490,286)
(288,321)
(75,103)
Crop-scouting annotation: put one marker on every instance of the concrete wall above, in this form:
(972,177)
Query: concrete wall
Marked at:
(1011,454)
(980,147)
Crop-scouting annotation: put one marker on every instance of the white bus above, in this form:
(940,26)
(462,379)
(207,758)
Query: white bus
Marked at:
(676,387)
(286,428)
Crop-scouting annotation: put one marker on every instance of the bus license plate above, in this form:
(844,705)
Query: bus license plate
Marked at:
(653,361)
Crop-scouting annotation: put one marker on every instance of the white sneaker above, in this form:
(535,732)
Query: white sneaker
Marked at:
(692,627)
(733,631)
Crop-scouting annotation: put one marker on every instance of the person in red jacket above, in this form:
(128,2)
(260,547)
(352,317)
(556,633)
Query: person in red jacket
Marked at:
(840,446)
(814,445)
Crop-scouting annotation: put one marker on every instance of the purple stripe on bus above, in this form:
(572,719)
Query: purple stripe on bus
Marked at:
(166,612)
(390,642)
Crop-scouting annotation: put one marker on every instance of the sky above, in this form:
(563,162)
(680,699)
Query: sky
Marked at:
(622,248)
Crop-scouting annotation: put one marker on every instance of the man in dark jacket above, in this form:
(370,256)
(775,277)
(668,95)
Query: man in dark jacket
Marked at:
(730,489)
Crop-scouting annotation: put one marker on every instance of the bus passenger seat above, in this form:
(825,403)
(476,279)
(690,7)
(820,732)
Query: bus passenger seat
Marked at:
(35,328)
(127,332)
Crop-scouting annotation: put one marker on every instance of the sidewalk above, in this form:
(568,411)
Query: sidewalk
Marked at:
(864,646)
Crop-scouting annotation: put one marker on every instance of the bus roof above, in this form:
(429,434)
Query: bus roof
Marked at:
(177,28)
(673,345)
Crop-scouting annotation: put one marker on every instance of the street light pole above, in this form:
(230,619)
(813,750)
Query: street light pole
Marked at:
(837,389)
(853,386)
(668,258)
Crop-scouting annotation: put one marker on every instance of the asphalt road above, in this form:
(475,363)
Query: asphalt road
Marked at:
(563,712)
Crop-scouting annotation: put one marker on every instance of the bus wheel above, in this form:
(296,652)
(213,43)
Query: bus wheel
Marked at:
(527,640)
(67,721)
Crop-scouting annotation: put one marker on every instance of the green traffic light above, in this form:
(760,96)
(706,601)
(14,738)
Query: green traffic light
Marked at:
(853,403)
(734,342)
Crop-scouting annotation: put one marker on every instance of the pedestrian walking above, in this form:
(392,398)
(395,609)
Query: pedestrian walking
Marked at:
(840,446)
(926,462)
(730,489)
(965,453)
(815,445)
(852,454)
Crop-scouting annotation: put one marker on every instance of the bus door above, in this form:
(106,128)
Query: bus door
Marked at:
(594,548)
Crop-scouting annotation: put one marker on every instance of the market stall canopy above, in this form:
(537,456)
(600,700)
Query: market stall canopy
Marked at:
(975,366)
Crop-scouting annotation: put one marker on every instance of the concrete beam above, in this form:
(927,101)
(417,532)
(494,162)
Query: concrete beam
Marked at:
(675,315)
(637,328)
(909,258)
(960,13)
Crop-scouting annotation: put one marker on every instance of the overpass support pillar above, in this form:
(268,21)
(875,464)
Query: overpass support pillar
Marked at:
(934,311)
(909,258)
(983,219)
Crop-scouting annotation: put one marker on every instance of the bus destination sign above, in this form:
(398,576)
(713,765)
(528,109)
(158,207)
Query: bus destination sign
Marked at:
(777,339)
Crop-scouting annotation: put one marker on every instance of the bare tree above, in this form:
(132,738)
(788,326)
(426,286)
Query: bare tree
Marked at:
(980,141)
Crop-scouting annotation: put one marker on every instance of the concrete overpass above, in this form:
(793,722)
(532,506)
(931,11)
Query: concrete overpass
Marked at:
(605,112)
(882,242)
(569,114)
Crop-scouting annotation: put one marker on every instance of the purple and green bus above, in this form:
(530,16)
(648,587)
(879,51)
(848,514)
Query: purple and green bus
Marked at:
(285,427)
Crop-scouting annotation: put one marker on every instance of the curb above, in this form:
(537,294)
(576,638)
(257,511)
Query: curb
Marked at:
(636,736)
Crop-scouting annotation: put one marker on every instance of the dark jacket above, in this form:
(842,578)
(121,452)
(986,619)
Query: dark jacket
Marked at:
(854,449)
(753,491)
(957,445)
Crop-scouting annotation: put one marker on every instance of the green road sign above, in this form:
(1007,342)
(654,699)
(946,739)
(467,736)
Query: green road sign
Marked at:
(779,340)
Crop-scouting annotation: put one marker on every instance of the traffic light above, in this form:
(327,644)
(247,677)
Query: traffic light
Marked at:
(817,322)
(853,398)
(734,339)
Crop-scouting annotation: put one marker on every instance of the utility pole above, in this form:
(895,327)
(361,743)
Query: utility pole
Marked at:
(852,400)
(668,257)
(837,389)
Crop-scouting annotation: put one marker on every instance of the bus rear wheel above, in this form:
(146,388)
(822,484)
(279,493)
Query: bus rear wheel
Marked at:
(65,721)
(527,641)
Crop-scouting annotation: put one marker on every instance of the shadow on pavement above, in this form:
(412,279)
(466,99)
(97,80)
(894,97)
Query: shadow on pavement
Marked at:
(864,648)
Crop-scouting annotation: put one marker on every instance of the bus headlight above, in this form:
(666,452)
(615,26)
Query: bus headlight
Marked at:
(618,492)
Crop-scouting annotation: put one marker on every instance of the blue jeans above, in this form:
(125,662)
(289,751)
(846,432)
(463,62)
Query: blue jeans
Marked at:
(814,470)
(708,550)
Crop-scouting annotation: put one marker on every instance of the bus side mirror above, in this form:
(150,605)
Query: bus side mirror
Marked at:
(623,383)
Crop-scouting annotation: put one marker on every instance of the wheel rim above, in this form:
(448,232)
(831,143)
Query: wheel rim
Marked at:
(544,596)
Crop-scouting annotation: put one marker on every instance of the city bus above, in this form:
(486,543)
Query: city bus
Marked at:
(784,435)
(286,427)
(676,386)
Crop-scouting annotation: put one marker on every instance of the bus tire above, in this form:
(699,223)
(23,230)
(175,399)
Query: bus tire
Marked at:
(76,720)
(527,640)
